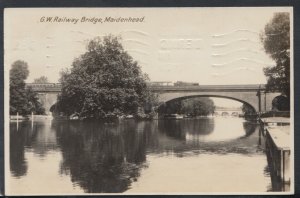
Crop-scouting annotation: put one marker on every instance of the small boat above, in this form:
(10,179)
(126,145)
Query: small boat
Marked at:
(129,117)
(187,116)
(173,116)
(74,116)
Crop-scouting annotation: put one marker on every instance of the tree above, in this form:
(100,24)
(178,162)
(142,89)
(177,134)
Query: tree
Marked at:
(32,102)
(103,82)
(17,75)
(171,107)
(192,106)
(22,100)
(248,110)
(276,42)
(198,106)
(280,103)
(42,79)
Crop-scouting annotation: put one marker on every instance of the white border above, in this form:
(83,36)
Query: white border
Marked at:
(6,119)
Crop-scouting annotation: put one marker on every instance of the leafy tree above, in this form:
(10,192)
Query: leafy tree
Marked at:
(198,106)
(171,107)
(192,106)
(22,100)
(42,79)
(18,73)
(276,42)
(33,104)
(103,82)
(280,103)
(248,110)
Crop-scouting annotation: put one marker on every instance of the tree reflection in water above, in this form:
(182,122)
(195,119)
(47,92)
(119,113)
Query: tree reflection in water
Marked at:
(107,158)
(18,164)
(101,157)
(249,128)
(37,137)
(179,128)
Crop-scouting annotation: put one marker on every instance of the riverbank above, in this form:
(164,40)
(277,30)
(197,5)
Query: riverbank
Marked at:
(41,117)
(30,117)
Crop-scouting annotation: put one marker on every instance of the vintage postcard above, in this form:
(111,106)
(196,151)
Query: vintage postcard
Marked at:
(149,101)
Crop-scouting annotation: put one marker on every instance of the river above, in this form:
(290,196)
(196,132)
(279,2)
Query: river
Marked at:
(221,154)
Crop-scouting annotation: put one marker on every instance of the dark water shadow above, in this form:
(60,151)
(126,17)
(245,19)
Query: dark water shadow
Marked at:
(179,128)
(101,157)
(18,140)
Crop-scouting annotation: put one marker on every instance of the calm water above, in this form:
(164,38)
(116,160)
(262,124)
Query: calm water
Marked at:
(195,155)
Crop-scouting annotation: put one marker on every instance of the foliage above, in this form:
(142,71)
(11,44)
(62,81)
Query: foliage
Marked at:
(17,76)
(280,103)
(22,100)
(198,106)
(171,107)
(103,82)
(42,79)
(276,42)
(192,106)
(248,110)
(33,103)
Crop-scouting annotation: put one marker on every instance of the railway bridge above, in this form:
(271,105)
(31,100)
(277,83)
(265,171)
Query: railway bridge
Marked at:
(254,95)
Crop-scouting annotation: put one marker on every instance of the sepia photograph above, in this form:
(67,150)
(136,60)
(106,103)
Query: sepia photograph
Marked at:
(149,101)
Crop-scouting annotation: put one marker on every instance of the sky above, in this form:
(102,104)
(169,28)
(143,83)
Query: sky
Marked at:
(203,45)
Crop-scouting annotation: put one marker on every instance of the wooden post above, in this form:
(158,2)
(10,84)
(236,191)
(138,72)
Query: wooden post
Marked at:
(265,101)
(32,119)
(17,121)
(259,136)
(258,94)
(286,168)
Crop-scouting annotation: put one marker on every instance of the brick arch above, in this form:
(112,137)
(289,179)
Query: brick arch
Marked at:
(214,96)
(47,100)
(249,98)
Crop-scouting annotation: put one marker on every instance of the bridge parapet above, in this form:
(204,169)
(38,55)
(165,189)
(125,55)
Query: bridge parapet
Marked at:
(213,88)
(56,87)
(254,94)
(45,87)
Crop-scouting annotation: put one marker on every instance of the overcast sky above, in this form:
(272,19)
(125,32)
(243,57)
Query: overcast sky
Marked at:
(204,45)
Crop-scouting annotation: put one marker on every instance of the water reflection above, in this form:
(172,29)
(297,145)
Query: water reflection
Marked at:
(179,128)
(38,138)
(205,136)
(99,157)
(249,128)
(18,164)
